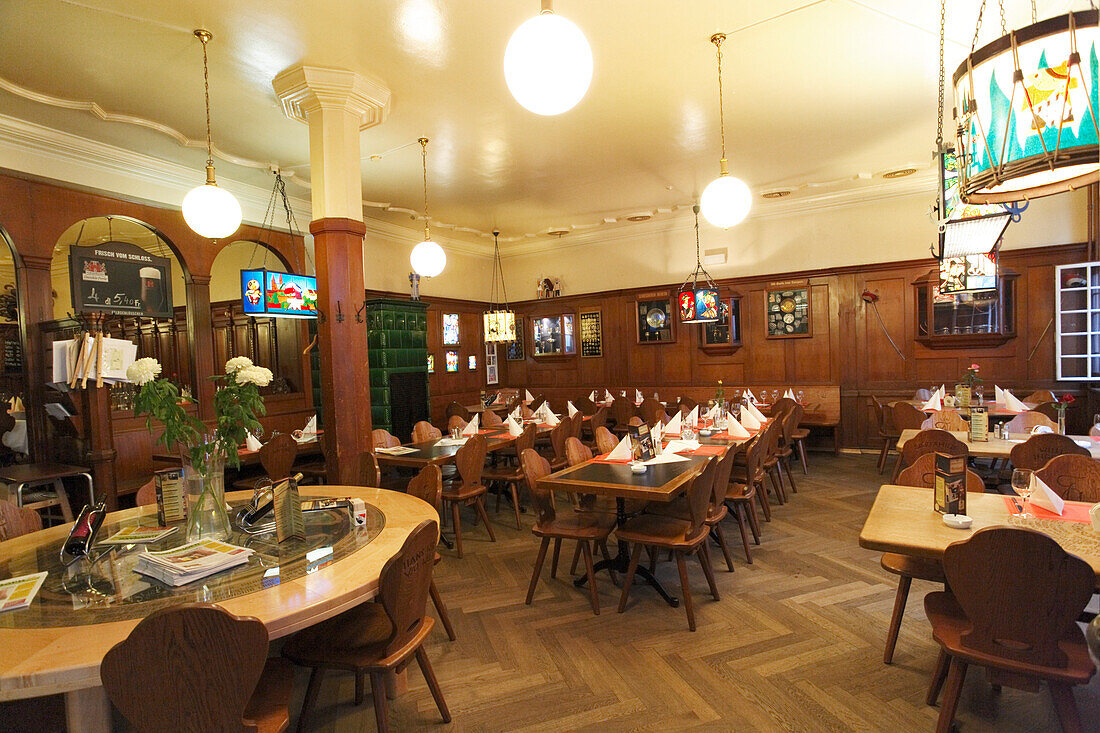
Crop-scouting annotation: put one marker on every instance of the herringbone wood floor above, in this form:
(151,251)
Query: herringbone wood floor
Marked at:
(794,644)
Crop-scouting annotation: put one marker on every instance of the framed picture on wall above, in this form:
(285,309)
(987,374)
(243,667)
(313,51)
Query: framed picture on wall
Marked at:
(787,309)
(654,316)
(725,334)
(452,361)
(591,327)
(431,363)
(491,374)
(450,329)
(515,348)
(553,335)
(472,362)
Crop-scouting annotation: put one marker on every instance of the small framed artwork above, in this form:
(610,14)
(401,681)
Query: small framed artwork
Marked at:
(491,374)
(471,362)
(725,334)
(450,329)
(553,335)
(591,327)
(654,315)
(787,309)
(431,363)
(515,348)
(452,361)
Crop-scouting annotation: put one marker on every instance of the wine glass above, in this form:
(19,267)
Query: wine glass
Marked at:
(775,395)
(1021,484)
(801,397)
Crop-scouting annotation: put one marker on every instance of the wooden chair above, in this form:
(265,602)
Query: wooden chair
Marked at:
(906,416)
(512,475)
(1038,450)
(1073,477)
(651,411)
(597,421)
(369,472)
(558,435)
(277,458)
(585,405)
(790,414)
(423,431)
(886,431)
(605,441)
(198,667)
(928,441)
(948,420)
(428,487)
(577,424)
(682,537)
(622,410)
(747,482)
(467,488)
(146,494)
(1050,409)
(17,520)
(490,419)
(455,408)
(377,639)
(922,473)
(576,452)
(1039,396)
(586,528)
(454,421)
(686,404)
(770,459)
(1015,594)
(536,403)
(381,438)
(1025,421)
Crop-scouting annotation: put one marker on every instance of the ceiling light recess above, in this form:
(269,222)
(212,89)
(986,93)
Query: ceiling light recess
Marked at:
(726,200)
(548,63)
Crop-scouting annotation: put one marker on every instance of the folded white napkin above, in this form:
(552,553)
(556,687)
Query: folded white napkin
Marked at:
(1040,429)
(1000,395)
(749,420)
(943,391)
(251,443)
(673,427)
(1041,495)
(692,418)
(311,426)
(675,446)
(527,396)
(592,395)
(665,458)
(789,394)
(569,408)
(736,429)
(1012,403)
(712,413)
(610,397)
(751,397)
(516,414)
(513,427)
(550,418)
(622,451)
(472,426)
(658,432)
(638,397)
(757,414)
(933,403)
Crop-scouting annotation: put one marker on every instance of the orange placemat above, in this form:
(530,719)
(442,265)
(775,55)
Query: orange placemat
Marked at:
(705,450)
(603,458)
(1073,511)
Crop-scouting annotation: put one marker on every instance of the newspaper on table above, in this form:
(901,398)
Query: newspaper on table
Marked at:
(136,534)
(17,593)
(189,562)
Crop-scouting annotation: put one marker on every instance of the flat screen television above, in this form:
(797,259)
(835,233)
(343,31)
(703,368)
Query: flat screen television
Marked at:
(278,294)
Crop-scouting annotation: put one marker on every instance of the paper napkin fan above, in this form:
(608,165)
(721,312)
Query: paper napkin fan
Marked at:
(513,427)
(251,443)
(736,429)
(527,396)
(1014,404)
(1000,395)
(692,418)
(749,420)
(757,414)
(789,394)
(933,403)
(472,426)
(623,450)
(1041,495)
(570,409)
(674,426)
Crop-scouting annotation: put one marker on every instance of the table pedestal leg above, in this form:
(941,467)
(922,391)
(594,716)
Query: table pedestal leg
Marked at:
(621,562)
(88,711)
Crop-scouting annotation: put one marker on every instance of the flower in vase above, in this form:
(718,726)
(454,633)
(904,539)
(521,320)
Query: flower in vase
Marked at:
(236,364)
(143,371)
(1067,398)
(257,375)
(974,367)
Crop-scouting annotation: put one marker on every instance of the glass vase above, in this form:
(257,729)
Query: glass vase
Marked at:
(1061,422)
(206,514)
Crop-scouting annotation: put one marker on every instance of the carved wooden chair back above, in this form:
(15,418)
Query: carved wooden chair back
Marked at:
(191,667)
(1036,451)
(651,410)
(16,521)
(405,580)
(1050,409)
(585,405)
(536,403)
(454,421)
(1073,477)
(456,409)
(686,404)
(491,419)
(1025,421)
(558,434)
(599,419)
(470,460)
(622,409)
(932,441)
(700,494)
(381,438)
(948,420)
(605,441)
(427,486)
(906,416)
(535,467)
(923,474)
(577,425)
(147,494)
(277,455)
(423,431)
(369,473)
(1039,396)
(1020,591)
(576,452)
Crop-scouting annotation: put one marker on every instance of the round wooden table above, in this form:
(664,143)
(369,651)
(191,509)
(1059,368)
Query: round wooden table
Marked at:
(37,660)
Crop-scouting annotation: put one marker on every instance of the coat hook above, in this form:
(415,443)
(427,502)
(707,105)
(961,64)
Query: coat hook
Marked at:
(321,317)
(339,312)
(359,312)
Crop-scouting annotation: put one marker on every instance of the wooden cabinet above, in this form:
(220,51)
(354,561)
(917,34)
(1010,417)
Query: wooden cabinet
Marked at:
(1077,316)
(970,320)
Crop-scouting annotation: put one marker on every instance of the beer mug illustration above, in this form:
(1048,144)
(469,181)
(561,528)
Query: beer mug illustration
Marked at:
(152,290)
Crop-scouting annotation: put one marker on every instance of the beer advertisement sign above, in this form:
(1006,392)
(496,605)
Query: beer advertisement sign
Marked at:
(121,279)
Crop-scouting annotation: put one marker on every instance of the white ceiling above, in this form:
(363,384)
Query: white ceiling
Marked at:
(816,93)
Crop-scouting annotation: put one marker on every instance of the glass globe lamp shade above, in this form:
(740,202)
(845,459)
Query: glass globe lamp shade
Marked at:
(211,211)
(428,259)
(725,201)
(548,64)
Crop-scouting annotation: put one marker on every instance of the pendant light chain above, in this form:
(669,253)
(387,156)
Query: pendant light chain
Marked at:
(978,28)
(693,278)
(424,158)
(717,39)
(943,79)
(1034,13)
(205,37)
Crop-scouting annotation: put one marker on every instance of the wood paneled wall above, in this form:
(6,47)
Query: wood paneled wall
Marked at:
(847,348)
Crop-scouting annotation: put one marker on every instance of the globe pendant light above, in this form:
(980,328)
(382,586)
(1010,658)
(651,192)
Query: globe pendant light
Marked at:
(726,200)
(210,210)
(548,63)
(500,319)
(698,303)
(428,259)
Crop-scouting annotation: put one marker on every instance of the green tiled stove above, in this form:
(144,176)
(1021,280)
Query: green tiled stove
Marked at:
(397,350)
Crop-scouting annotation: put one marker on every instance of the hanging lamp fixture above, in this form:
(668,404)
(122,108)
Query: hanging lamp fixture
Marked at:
(726,200)
(1026,110)
(428,259)
(698,303)
(500,319)
(548,63)
(210,210)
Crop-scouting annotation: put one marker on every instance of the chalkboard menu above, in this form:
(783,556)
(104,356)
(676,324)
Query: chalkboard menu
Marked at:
(591,333)
(121,279)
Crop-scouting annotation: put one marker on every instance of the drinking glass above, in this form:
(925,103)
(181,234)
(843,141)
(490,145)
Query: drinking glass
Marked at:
(456,433)
(979,395)
(1021,484)
(801,397)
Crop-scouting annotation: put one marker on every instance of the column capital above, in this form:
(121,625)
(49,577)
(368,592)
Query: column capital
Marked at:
(304,90)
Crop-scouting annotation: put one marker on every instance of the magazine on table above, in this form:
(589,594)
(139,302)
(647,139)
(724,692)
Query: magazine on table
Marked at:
(138,535)
(191,561)
(17,593)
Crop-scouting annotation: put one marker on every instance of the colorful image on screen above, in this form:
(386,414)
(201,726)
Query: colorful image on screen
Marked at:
(278,294)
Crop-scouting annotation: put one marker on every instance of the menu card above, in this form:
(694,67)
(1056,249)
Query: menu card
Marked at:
(950,494)
(171,495)
(289,522)
(962,395)
(979,424)
(642,442)
(18,592)
(134,535)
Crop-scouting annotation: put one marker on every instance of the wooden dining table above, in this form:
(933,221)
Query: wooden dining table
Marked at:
(441,451)
(57,644)
(902,520)
(661,482)
(998,447)
(247,457)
